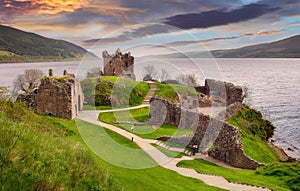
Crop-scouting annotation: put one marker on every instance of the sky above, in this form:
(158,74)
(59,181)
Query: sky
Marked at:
(153,26)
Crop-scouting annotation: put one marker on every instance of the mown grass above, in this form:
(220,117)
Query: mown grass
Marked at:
(140,115)
(148,179)
(277,176)
(172,154)
(171,91)
(254,130)
(110,78)
(37,154)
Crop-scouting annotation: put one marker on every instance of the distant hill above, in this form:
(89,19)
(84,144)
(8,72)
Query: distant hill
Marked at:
(286,48)
(20,46)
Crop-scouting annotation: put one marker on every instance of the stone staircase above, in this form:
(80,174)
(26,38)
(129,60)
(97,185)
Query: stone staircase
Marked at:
(150,93)
(182,150)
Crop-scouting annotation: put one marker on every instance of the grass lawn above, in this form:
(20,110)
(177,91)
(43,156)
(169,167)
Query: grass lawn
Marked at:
(140,115)
(275,176)
(172,154)
(155,178)
(110,78)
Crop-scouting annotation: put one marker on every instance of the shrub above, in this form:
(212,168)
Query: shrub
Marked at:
(252,121)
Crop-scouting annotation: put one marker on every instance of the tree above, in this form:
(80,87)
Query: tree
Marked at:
(150,70)
(164,75)
(28,81)
(188,79)
(94,72)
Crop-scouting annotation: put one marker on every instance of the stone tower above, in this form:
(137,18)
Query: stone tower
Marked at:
(118,64)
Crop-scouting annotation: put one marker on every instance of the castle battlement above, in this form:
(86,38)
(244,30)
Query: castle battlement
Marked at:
(118,64)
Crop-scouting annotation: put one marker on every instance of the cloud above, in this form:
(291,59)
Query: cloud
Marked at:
(219,17)
(141,31)
(267,33)
(41,6)
(186,43)
(89,21)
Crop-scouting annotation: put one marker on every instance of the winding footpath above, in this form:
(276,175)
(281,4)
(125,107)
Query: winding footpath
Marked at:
(91,116)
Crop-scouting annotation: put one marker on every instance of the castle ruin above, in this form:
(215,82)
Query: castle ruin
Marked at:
(56,95)
(118,64)
(211,134)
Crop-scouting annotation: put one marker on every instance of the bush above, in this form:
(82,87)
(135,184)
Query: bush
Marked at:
(252,121)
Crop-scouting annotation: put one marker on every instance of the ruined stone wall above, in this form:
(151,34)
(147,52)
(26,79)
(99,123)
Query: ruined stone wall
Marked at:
(223,90)
(221,139)
(56,95)
(229,149)
(164,112)
(118,64)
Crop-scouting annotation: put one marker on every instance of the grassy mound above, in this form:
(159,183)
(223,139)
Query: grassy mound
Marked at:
(275,176)
(113,89)
(38,153)
(254,133)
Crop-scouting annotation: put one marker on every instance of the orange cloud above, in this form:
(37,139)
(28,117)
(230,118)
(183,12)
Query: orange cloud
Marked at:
(247,34)
(57,6)
(45,6)
(266,33)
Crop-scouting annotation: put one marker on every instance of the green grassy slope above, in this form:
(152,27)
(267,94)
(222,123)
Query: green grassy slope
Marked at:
(254,133)
(39,153)
(21,46)
(277,176)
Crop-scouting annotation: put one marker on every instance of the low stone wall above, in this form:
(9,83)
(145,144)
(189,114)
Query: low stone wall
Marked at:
(164,112)
(219,138)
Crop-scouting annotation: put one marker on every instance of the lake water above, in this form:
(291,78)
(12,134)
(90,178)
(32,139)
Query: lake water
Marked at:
(273,86)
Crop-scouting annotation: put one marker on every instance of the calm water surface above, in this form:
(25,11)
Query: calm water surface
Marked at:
(274,89)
